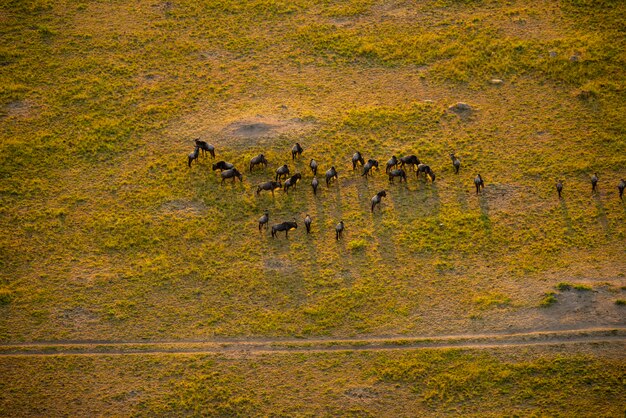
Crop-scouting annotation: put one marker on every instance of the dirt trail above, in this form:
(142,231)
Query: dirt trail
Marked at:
(573,336)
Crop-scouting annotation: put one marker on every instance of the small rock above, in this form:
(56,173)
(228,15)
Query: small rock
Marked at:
(574,58)
(283,106)
(496,81)
(460,107)
(552,54)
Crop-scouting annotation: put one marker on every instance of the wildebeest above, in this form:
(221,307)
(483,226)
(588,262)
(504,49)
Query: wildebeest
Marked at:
(368,167)
(204,146)
(338,230)
(428,172)
(479,183)
(232,173)
(314,184)
(377,199)
(398,172)
(285,226)
(259,159)
(392,163)
(193,156)
(263,220)
(559,187)
(307,222)
(296,150)
(357,158)
(330,174)
(411,160)
(269,185)
(594,183)
(621,186)
(222,165)
(313,165)
(282,172)
(292,181)
(456,163)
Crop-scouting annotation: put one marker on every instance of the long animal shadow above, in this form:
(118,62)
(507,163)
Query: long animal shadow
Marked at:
(604,221)
(566,217)
(483,202)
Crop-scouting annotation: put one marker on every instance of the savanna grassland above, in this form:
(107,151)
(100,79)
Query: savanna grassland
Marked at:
(107,235)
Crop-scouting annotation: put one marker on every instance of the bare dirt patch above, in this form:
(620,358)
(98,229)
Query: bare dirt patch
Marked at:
(183,207)
(19,109)
(361,393)
(262,130)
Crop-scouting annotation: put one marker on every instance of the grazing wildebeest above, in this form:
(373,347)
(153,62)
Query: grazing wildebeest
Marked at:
(307,222)
(204,146)
(428,172)
(392,163)
(233,173)
(292,181)
(330,174)
(479,183)
(456,163)
(559,187)
(296,150)
(398,172)
(259,159)
(314,184)
(411,160)
(621,186)
(285,226)
(282,172)
(594,183)
(313,165)
(368,167)
(193,156)
(338,230)
(263,220)
(357,158)
(377,199)
(270,185)
(222,165)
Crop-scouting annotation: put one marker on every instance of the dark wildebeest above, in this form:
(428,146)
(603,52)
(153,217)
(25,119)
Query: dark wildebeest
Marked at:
(292,181)
(233,173)
(285,226)
(330,174)
(259,159)
(314,184)
(338,230)
(270,185)
(307,222)
(368,167)
(282,172)
(456,163)
(204,146)
(357,158)
(392,163)
(559,187)
(193,156)
(296,150)
(479,183)
(423,168)
(594,183)
(313,165)
(411,160)
(621,186)
(222,165)
(377,199)
(263,220)
(398,172)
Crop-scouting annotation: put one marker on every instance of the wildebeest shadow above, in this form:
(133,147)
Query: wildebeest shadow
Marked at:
(602,213)
(566,217)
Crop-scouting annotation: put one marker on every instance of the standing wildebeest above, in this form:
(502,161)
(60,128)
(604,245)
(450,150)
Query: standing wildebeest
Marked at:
(357,158)
(479,183)
(314,184)
(282,172)
(292,181)
(330,174)
(559,187)
(368,166)
(263,220)
(233,173)
(204,146)
(193,156)
(411,160)
(285,226)
(307,222)
(270,185)
(338,230)
(398,172)
(296,150)
(313,165)
(377,199)
(222,165)
(392,163)
(621,186)
(428,172)
(594,183)
(259,159)
(456,163)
